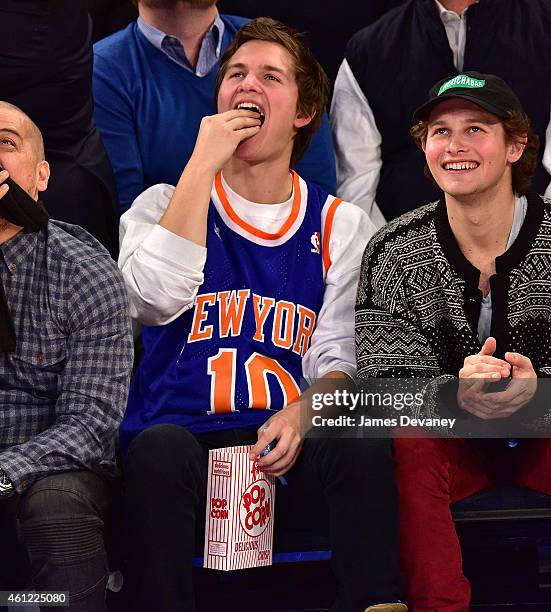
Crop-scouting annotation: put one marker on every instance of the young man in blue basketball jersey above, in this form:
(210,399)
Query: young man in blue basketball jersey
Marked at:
(244,277)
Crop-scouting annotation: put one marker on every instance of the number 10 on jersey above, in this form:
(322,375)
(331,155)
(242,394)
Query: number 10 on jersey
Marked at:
(222,371)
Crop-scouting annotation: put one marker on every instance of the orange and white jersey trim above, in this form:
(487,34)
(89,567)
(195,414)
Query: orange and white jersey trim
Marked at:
(222,201)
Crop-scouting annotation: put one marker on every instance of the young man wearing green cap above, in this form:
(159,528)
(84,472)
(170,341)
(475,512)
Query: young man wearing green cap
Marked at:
(461,288)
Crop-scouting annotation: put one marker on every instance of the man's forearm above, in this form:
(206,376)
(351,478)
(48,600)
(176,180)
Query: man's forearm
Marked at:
(73,444)
(328,383)
(186,215)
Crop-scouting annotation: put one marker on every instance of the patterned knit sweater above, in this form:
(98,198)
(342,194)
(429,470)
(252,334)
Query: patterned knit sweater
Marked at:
(418,300)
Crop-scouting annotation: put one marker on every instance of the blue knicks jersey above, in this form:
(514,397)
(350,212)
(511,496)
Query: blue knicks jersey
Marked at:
(236,356)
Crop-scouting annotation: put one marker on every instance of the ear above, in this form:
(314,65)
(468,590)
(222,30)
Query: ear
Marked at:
(303,119)
(516,149)
(42,175)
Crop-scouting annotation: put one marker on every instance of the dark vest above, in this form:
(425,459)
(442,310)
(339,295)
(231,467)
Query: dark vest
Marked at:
(397,59)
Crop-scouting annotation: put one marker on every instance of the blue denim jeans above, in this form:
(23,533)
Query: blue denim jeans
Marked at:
(53,533)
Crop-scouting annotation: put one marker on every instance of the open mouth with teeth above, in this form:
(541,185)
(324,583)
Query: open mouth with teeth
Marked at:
(254,108)
(466,165)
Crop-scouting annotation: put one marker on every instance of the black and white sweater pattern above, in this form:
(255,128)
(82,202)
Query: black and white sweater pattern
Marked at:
(418,300)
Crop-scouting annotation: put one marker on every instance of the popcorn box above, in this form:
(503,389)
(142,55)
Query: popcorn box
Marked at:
(239,522)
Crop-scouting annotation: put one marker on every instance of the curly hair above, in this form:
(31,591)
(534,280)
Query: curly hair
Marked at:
(518,128)
(312,82)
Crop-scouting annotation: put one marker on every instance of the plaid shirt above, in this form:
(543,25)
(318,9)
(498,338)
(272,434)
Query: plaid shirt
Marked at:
(64,389)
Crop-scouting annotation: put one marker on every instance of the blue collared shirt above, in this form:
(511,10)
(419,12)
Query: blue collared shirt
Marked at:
(209,53)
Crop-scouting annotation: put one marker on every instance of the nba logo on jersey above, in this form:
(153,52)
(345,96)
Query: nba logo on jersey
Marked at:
(316,243)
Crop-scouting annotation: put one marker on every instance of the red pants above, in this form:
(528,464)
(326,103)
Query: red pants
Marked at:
(431,474)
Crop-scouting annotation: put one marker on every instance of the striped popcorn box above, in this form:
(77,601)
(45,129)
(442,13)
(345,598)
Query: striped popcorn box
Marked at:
(239,523)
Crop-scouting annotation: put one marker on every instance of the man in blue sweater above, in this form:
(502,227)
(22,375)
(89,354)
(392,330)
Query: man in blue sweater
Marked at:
(154,82)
